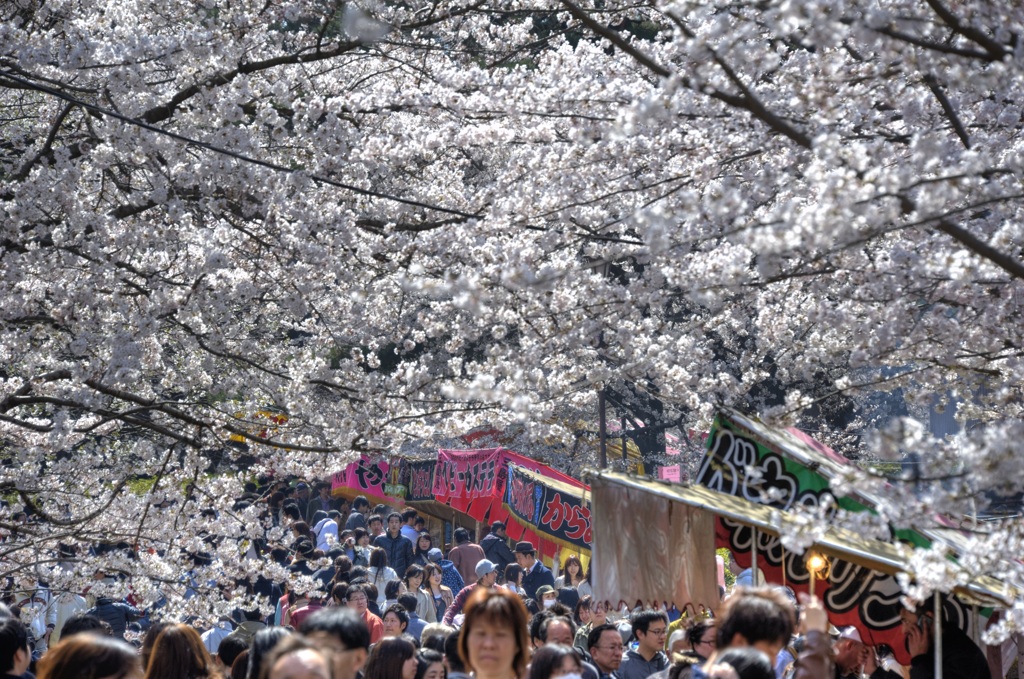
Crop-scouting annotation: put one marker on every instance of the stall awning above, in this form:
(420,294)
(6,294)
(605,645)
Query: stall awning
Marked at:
(835,542)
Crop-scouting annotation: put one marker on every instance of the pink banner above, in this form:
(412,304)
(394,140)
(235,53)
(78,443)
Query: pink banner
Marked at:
(467,475)
(363,476)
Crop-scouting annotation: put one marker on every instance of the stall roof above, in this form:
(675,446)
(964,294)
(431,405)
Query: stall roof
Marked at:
(840,543)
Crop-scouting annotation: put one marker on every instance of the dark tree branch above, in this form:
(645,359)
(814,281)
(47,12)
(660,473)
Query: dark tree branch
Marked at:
(947,108)
(747,101)
(997,50)
(979,247)
(934,46)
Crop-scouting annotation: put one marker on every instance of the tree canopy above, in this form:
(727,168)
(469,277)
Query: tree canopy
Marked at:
(394,221)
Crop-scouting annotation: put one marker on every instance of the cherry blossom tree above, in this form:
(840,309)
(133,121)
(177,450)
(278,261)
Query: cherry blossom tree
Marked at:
(397,221)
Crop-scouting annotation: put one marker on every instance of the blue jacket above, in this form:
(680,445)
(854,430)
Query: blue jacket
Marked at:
(450,576)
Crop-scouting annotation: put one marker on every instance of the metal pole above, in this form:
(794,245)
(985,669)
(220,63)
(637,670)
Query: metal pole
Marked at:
(976,633)
(753,560)
(937,636)
(601,426)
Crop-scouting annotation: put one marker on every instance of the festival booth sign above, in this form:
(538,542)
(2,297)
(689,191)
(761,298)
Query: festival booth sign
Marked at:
(365,476)
(557,511)
(474,482)
(791,469)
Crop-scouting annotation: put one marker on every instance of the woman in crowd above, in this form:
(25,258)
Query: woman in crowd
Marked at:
(494,642)
(338,593)
(553,661)
(429,664)
(89,656)
(179,653)
(424,543)
(391,658)
(149,640)
(380,574)
(359,548)
(572,573)
(441,597)
(514,579)
(392,590)
(414,582)
(262,644)
(585,587)
(581,611)
(598,617)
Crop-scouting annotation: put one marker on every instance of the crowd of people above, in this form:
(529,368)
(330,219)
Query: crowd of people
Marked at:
(391,605)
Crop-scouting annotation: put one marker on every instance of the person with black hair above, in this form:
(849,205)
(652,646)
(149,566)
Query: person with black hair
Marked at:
(496,549)
(555,661)
(392,658)
(429,664)
(409,517)
(535,572)
(342,632)
(83,622)
(763,618)
(357,519)
(961,657)
(466,555)
(230,647)
(410,602)
(454,667)
(380,573)
(397,546)
(396,620)
(357,599)
(423,544)
(605,646)
(262,644)
(392,590)
(323,502)
(649,629)
(15,653)
(741,663)
(117,614)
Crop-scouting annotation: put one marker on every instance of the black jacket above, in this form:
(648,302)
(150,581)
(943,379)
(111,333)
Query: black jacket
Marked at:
(961,658)
(497,552)
(115,613)
(399,551)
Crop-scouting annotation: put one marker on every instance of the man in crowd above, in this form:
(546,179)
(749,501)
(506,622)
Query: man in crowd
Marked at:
(117,614)
(302,497)
(849,653)
(397,546)
(535,573)
(495,546)
(961,658)
(465,555)
(342,632)
(357,519)
(650,628)
(605,645)
(323,502)
(409,517)
(358,601)
(15,654)
(375,524)
(486,576)
(763,618)
(416,623)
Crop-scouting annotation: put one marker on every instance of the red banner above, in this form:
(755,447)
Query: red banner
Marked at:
(466,475)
